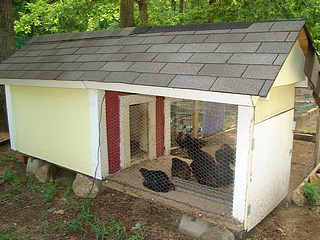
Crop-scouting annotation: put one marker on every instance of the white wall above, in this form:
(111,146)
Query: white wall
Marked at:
(271,162)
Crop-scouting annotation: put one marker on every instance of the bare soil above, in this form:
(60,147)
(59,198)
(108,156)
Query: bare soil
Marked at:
(25,214)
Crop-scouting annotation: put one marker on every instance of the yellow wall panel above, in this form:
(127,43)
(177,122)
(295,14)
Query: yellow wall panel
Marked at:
(53,124)
(280,99)
(292,71)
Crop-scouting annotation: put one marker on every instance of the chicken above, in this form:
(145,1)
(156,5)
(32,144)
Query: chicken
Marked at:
(225,156)
(156,180)
(180,169)
(185,141)
(203,167)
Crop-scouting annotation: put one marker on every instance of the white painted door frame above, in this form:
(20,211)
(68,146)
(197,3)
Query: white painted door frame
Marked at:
(125,102)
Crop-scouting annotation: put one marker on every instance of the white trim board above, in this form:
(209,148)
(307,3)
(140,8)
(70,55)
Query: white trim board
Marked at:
(10,115)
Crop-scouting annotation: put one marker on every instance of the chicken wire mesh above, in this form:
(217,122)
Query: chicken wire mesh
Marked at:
(203,141)
(200,136)
(305,115)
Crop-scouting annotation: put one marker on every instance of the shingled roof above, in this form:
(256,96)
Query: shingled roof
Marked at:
(240,58)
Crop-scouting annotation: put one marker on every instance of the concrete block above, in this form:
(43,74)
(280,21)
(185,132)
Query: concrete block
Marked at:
(217,233)
(34,164)
(193,226)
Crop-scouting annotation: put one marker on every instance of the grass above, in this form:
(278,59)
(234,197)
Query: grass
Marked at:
(312,193)
(75,218)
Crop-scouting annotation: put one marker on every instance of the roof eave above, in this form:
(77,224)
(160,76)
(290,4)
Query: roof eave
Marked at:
(192,94)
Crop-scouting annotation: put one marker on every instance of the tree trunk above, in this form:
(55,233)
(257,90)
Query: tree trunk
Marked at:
(173,5)
(7,48)
(126,13)
(181,5)
(143,11)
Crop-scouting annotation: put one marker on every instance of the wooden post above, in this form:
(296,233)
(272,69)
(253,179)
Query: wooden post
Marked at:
(317,142)
(195,127)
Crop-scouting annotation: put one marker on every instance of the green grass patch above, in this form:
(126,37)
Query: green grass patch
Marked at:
(92,227)
(312,193)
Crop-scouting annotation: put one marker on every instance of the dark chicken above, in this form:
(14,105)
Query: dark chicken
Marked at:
(225,156)
(180,169)
(203,167)
(156,180)
(185,141)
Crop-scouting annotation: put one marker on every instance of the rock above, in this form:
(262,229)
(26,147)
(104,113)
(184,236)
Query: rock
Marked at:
(15,192)
(217,233)
(46,173)
(51,210)
(86,187)
(194,227)
(298,197)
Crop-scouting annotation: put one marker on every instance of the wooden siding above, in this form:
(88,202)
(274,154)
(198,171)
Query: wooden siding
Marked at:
(53,124)
(280,99)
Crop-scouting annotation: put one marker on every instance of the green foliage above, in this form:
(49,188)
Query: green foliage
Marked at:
(312,192)
(36,17)
(49,191)
(45,16)
(10,176)
(88,224)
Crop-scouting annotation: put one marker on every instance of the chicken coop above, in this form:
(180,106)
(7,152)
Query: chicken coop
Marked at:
(198,118)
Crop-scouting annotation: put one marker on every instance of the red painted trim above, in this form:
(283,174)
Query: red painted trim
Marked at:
(160,126)
(113,129)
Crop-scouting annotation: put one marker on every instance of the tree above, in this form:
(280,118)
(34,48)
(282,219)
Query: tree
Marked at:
(7,48)
(126,13)
(143,11)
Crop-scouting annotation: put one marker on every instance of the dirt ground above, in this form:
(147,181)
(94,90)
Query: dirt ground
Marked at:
(30,216)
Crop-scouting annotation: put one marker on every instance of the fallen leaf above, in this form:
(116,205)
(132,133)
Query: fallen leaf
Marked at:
(59,212)
(283,234)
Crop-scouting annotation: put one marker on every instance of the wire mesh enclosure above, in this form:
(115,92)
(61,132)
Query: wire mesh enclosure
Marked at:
(306,111)
(200,136)
(203,139)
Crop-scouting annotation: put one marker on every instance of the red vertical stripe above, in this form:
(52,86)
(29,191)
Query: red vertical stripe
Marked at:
(113,129)
(160,126)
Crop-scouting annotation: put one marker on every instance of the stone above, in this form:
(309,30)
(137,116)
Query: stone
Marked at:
(298,197)
(217,233)
(46,173)
(86,187)
(34,164)
(193,227)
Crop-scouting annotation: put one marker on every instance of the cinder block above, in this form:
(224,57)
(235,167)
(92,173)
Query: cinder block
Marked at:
(34,164)
(194,226)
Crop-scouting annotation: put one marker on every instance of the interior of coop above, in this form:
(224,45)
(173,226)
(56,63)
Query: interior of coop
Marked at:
(216,123)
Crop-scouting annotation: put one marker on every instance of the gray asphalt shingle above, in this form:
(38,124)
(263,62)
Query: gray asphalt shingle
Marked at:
(254,58)
(199,47)
(172,57)
(261,72)
(150,79)
(116,66)
(165,47)
(193,82)
(223,70)
(240,58)
(182,68)
(239,85)
(225,38)
(275,47)
(147,67)
(209,57)
(121,77)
